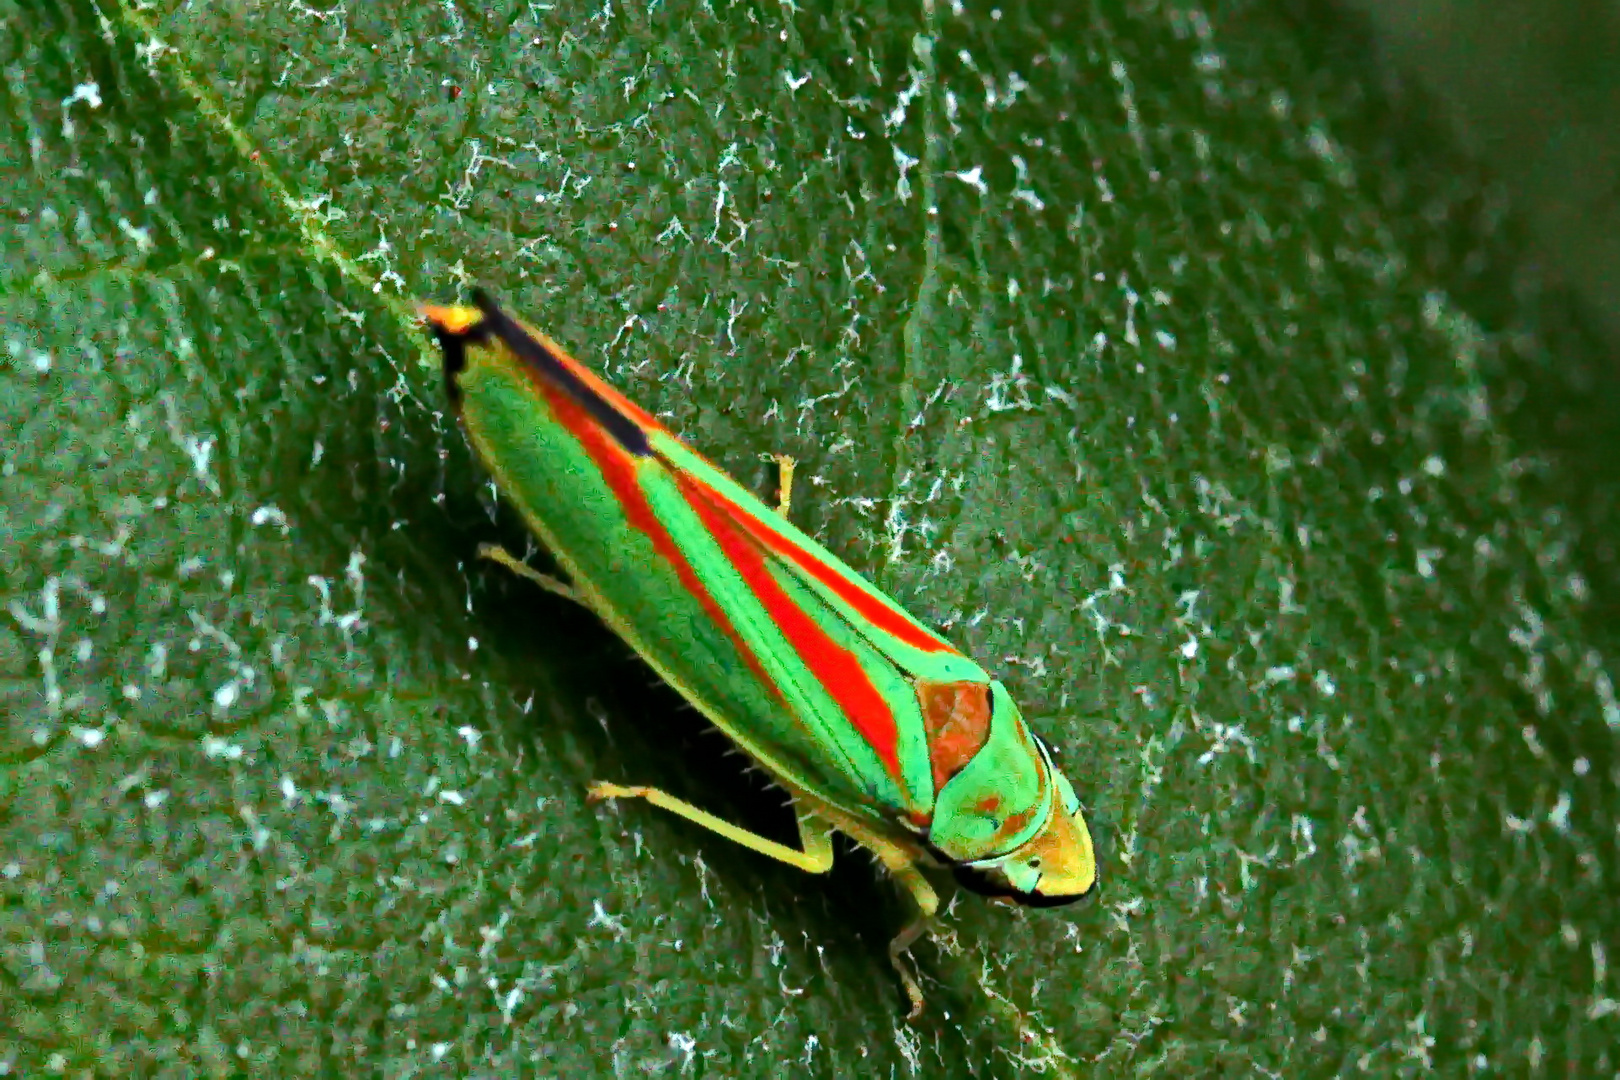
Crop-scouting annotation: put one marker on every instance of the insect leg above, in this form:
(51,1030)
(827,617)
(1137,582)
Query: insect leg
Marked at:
(815,858)
(927,904)
(784,483)
(497,554)
(902,866)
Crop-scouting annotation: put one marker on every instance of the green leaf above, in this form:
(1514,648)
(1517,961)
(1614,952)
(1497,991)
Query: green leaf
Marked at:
(1096,349)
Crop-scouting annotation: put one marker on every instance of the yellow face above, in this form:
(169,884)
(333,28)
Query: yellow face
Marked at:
(1057,865)
(455,319)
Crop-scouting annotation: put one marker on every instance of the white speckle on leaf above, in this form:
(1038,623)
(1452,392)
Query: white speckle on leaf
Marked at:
(904,162)
(266,515)
(1603,686)
(1303,831)
(684,1045)
(89,737)
(509,1002)
(897,115)
(973,179)
(200,451)
(600,917)
(138,233)
(48,621)
(1029,199)
(87,92)
(1558,816)
(216,749)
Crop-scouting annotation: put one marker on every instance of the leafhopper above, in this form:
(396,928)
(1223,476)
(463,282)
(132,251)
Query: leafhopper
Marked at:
(875,725)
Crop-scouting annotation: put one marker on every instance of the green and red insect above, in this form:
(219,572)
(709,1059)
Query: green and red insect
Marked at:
(876,725)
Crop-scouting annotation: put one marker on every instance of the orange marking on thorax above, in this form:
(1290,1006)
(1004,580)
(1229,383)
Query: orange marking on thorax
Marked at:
(956,716)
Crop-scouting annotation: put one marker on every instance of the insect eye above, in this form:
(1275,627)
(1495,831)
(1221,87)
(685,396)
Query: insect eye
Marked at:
(1035,862)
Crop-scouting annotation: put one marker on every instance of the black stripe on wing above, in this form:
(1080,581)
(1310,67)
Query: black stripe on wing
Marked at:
(549,366)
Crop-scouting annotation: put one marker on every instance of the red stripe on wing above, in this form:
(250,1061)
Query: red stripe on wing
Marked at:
(618,469)
(874,610)
(837,669)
